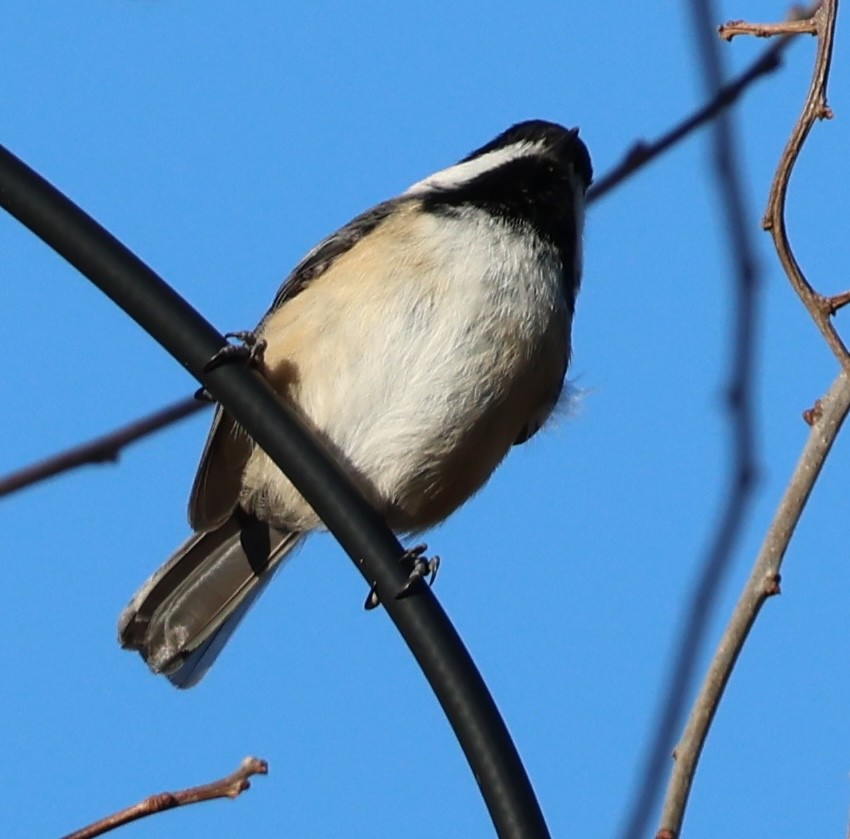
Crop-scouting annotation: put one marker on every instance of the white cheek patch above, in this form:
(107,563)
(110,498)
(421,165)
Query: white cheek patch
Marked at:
(462,173)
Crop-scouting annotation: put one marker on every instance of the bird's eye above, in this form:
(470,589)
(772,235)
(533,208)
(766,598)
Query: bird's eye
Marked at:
(550,168)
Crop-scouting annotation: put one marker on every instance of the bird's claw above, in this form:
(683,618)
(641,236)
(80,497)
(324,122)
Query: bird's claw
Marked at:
(422,567)
(249,350)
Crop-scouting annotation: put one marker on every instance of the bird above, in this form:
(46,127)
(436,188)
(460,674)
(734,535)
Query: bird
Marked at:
(419,342)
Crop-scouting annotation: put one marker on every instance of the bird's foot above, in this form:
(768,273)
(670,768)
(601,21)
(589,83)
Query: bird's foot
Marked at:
(248,350)
(422,567)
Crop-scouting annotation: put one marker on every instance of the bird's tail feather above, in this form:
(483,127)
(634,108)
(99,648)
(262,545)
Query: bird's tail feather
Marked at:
(182,617)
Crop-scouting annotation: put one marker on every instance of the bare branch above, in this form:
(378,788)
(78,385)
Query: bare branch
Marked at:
(228,787)
(763,582)
(101,449)
(826,419)
(743,466)
(800,26)
(814,109)
(641,153)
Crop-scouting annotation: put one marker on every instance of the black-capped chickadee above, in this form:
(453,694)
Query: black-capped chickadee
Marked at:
(420,341)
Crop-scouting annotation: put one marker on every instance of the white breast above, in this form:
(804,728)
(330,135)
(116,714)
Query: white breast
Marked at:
(419,355)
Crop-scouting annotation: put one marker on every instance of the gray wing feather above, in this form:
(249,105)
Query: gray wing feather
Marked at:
(218,481)
(323,255)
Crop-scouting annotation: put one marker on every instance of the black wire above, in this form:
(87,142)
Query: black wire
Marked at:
(247,397)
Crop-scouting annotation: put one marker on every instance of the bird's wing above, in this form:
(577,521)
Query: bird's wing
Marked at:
(218,482)
(320,258)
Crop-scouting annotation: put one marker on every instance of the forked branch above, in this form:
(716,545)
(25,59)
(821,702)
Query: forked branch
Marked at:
(826,423)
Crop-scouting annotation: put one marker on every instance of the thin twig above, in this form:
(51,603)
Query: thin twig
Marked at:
(837,301)
(763,582)
(641,153)
(228,787)
(102,449)
(743,459)
(814,109)
(801,26)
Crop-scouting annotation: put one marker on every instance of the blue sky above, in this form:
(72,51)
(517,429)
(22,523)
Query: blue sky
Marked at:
(220,141)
